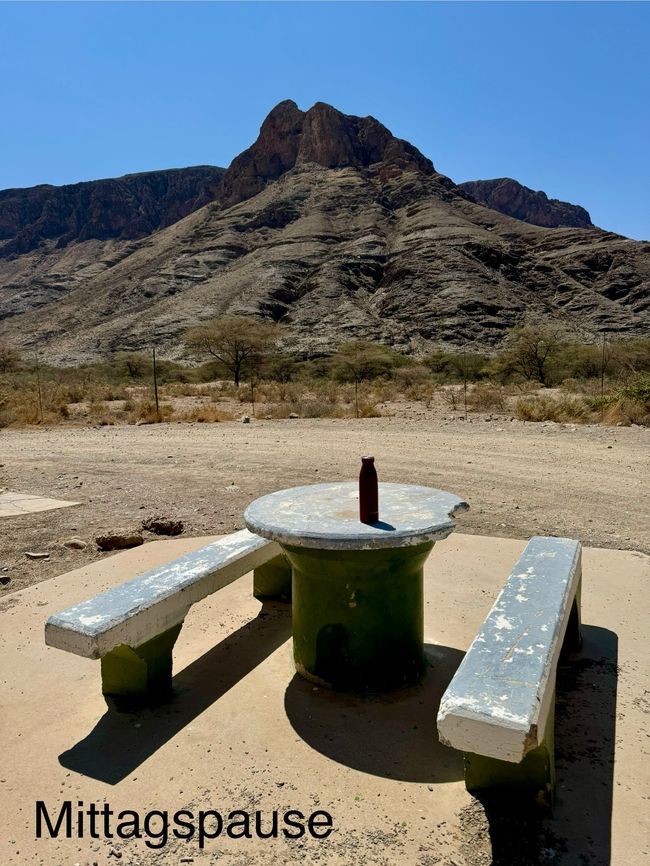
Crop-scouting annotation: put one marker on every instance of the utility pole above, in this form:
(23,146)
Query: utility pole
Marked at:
(155,382)
(38,386)
(465,380)
(602,382)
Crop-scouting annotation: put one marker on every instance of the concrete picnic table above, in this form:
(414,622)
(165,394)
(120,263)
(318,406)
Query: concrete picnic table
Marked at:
(358,606)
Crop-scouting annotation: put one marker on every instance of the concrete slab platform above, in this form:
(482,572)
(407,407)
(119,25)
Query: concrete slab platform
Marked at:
(17,504)
(244,733)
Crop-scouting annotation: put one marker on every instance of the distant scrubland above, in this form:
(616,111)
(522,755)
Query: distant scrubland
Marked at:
(237,367)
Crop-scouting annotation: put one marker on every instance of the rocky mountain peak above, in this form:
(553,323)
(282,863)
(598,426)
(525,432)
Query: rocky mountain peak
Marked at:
(322,135)
(512,198)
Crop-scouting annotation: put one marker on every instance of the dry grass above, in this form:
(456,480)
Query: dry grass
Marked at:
(105,403)
(487,397)
(545,408)
(205,413)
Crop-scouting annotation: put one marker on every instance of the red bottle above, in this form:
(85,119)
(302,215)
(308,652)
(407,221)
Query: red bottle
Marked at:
(368,491)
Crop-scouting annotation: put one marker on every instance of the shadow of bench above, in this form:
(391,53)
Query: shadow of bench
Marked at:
(133,627)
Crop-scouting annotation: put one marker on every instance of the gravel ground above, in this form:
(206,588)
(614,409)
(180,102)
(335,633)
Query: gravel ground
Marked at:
(520,479)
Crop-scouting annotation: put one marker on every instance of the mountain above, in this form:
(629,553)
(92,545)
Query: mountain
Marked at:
(127,207)
(513,199)
(331,225)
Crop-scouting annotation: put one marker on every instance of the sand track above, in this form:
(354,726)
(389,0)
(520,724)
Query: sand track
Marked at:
(520,479)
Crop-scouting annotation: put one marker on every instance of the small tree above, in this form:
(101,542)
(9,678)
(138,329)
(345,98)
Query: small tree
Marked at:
(281,368)
(530,350)
(359,360)
(135,365)
(238,342)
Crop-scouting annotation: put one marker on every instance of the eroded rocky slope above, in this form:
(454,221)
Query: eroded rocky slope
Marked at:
(336,228)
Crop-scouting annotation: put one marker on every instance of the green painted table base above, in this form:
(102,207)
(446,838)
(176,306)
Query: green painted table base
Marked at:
(358,616)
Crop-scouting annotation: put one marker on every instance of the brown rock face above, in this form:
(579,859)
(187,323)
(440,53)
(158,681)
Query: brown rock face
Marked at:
(513,199)
(290,137)
(337,229)
(125,208)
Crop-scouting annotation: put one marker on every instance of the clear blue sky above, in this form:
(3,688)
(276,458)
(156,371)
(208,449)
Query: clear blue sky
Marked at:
(556,95)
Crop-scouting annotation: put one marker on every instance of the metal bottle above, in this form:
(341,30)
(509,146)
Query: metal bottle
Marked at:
(368,491)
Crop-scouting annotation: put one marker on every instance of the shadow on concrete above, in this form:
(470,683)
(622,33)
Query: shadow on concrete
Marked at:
(393,736)
(585,726)
(115,747)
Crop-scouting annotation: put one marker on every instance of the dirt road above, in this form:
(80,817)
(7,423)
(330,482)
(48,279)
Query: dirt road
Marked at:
(520,479)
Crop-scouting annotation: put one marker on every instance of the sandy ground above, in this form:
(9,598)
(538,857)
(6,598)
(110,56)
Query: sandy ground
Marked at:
(244,732)
(586,482)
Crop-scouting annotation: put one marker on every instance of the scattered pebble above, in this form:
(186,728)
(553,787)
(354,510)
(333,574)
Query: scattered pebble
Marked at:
(75,543)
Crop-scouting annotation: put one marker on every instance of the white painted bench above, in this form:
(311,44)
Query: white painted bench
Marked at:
(132,628)
(499,707)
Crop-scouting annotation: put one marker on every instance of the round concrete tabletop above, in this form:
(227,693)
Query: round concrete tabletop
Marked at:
(326,516)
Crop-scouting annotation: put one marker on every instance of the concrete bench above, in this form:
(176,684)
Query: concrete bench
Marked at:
(499,707)
(132,628)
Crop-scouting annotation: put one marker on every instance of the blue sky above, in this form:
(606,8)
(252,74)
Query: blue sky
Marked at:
(556,95)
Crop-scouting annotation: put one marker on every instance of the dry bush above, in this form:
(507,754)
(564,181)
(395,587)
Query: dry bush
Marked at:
(407,377)
(368,409)
(587,387)
(487,397)
(185,389)
(384,390)
(330,391)
(206,413)
(453,396)
(523,387)
(544,408)
(7,417)
(626,411)
(227,389)
(145,412)
(422,393)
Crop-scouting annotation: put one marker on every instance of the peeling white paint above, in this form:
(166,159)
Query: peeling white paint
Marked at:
(500,696)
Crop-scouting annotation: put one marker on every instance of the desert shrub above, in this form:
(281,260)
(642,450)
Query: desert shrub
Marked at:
(145,411)
(368,409)
(626,411)
(638,389)
(452,395)
(281,368)
(422,393)
(406,377)
(521,387)
(455,366)
(486,397)
(206,413)
(546,408)
(7,416)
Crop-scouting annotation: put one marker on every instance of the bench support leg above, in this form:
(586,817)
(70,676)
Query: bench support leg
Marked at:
(534,776)
(272,581)
(137,677)
(573,635)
